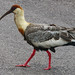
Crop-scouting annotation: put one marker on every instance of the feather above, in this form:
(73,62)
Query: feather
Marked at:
(48,36)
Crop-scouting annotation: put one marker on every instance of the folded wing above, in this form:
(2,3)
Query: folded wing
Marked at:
(47,36)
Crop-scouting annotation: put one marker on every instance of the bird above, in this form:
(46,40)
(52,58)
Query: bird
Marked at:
(42,37)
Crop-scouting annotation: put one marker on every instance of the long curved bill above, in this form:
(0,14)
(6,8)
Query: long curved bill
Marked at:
(8,12)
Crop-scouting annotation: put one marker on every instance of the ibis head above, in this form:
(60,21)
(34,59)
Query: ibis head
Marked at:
(14,9)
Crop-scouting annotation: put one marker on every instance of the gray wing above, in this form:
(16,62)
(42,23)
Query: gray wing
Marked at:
(42,33)
(39,36)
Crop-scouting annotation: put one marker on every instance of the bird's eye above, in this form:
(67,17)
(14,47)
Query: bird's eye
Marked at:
(13,8)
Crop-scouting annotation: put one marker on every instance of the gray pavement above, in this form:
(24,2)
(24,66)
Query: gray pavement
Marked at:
(14,50)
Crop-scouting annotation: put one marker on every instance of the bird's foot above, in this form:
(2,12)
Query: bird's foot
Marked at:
(47,68)
(23,65)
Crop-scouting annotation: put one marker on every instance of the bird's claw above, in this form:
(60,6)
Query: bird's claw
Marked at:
(47,68)
(23,65)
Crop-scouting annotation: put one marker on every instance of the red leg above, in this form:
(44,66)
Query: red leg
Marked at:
(24,65)
(49,65)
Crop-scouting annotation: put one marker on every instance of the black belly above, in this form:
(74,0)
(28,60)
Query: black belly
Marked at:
(45,49)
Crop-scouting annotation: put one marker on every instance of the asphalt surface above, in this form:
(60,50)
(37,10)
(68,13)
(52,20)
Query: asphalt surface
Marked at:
(14,50)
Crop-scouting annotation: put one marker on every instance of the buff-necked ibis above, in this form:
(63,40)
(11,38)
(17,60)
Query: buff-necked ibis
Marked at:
(42,37)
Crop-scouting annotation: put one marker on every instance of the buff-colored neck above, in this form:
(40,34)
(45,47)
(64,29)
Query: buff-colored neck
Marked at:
(20,21)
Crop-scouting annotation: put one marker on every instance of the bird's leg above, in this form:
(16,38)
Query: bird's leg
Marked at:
(49,65)
(24,65)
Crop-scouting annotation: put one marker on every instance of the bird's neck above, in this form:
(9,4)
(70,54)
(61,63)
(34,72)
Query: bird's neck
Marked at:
(20,22)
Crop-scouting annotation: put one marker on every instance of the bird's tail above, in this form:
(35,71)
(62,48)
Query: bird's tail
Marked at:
(72,33)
